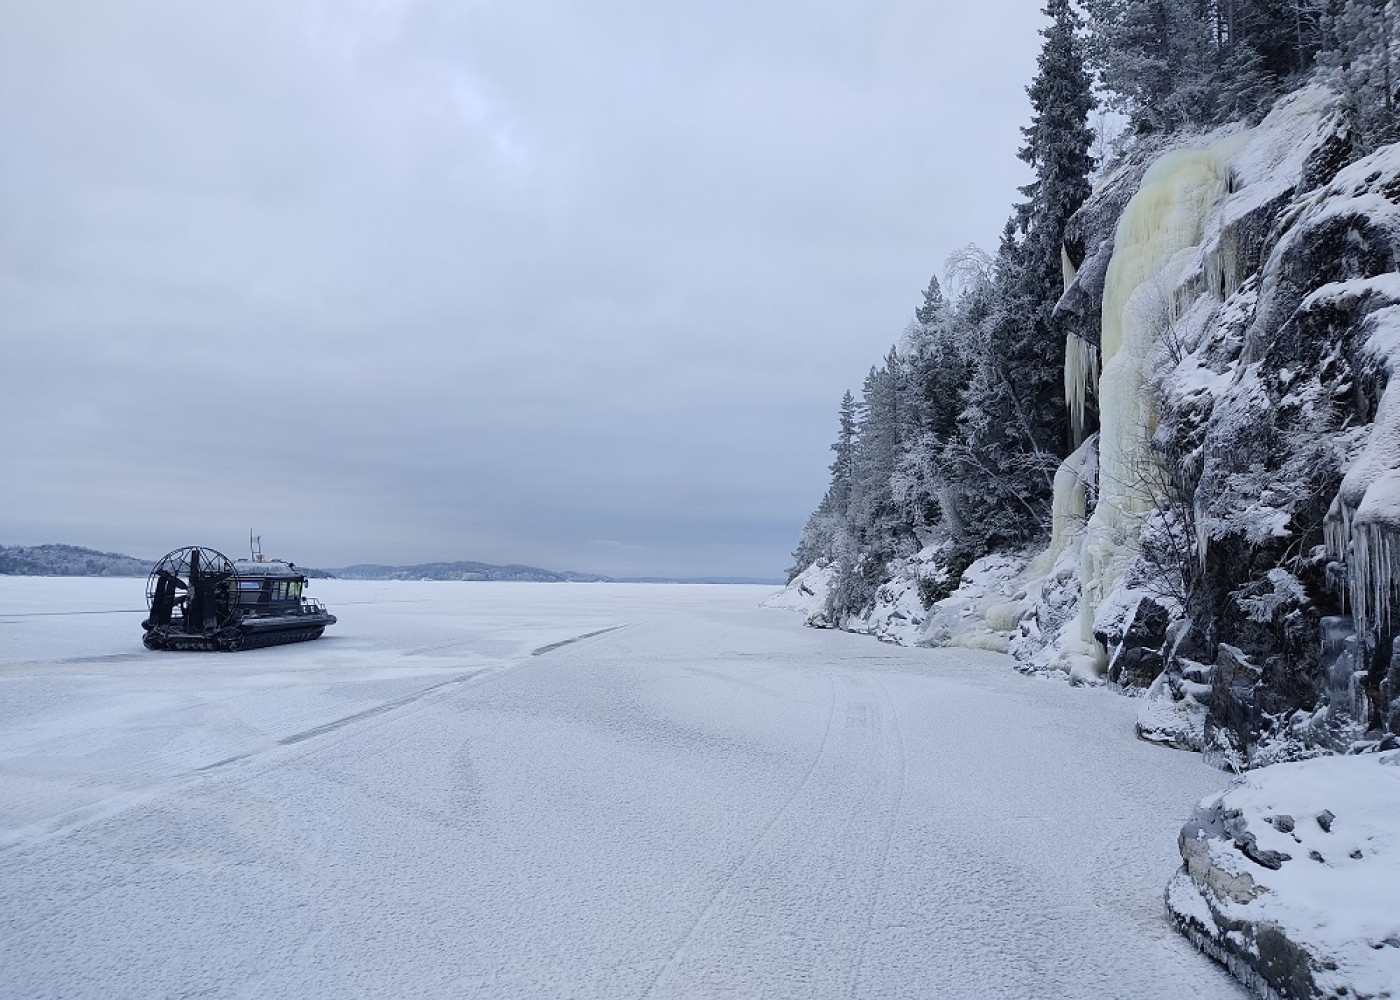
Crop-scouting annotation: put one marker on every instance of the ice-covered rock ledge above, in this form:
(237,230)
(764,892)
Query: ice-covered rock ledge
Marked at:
(1291,878)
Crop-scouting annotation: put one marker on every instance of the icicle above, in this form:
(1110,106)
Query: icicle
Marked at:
(1371,574)
(1362,527)
(1068,505)
(1370,550)
(1202,530)
(1336,536)
(1081,372)
(1067,267)
(1341,666)
(1222,265)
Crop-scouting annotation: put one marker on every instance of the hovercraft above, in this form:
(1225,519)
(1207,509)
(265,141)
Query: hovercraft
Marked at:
(199,599)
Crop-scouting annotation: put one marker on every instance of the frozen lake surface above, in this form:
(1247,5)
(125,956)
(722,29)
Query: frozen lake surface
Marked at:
(521,790)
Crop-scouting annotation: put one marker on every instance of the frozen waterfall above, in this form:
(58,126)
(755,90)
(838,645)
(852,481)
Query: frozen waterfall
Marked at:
(1156,235)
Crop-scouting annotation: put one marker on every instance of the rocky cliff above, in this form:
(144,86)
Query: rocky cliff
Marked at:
(1226,534)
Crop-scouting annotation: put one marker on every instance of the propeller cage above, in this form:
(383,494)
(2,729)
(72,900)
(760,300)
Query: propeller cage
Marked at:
(193,590)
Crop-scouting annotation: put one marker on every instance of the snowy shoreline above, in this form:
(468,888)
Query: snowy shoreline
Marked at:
(1288,877)
(1223,539)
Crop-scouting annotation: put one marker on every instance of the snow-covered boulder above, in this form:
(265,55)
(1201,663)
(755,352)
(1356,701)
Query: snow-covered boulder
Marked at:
(985,609)
(1291,878)
(898,613)
(899,608)
(1173,712)
(807,593)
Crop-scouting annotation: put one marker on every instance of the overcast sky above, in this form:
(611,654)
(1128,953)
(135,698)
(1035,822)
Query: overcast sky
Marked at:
(572,284)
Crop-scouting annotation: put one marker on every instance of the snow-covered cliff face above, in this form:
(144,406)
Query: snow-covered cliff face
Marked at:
(1226,533)
(1248,456)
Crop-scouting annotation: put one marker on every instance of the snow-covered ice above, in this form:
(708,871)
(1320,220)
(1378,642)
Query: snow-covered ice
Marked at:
(521,790)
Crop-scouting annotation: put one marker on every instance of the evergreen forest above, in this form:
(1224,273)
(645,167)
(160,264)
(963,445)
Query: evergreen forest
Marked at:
(955,436)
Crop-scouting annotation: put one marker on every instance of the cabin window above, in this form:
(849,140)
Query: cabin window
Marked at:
(294,590)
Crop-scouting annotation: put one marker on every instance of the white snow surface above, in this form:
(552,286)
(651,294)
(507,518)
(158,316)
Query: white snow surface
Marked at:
(587,790)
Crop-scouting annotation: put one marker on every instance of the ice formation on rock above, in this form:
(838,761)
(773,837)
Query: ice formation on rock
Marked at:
(1341,665)
(1069,503)
(1161,225)
(1081,371)
(1177,248)
(1363,525)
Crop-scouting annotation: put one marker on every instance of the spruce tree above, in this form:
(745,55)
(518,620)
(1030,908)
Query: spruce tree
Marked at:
(1364,63)
(831,520)
(843,466)
(1014,429)
(934,306)
(1177,65)
(936,375)
(876,532)
(937,369)
(1058,140)
(1002,461)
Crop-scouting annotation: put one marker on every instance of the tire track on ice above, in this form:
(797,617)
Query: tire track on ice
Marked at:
(743,859)
(74,819)
(878,884)
(802,907)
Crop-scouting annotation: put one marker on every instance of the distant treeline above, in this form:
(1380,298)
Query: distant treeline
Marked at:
(70,560)
(460,571)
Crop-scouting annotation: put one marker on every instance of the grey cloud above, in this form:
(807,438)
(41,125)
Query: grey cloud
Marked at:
(411,280)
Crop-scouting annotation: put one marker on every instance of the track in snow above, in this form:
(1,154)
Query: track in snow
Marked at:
(711,802)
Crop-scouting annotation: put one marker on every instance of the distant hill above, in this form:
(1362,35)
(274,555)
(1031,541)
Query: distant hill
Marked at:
(460,571)
(515,573)
(68,560)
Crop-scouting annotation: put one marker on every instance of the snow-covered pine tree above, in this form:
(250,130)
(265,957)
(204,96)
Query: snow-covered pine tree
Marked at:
(938,371)
(937,368)
(1363,62)
(1170,66)
(1057,144)
(831,518)
(877,530)
(816,540)
(879,446)
(1014,430)
(1145,53)
(843,465)
(931,311)
(1285,35)
(1001,463)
